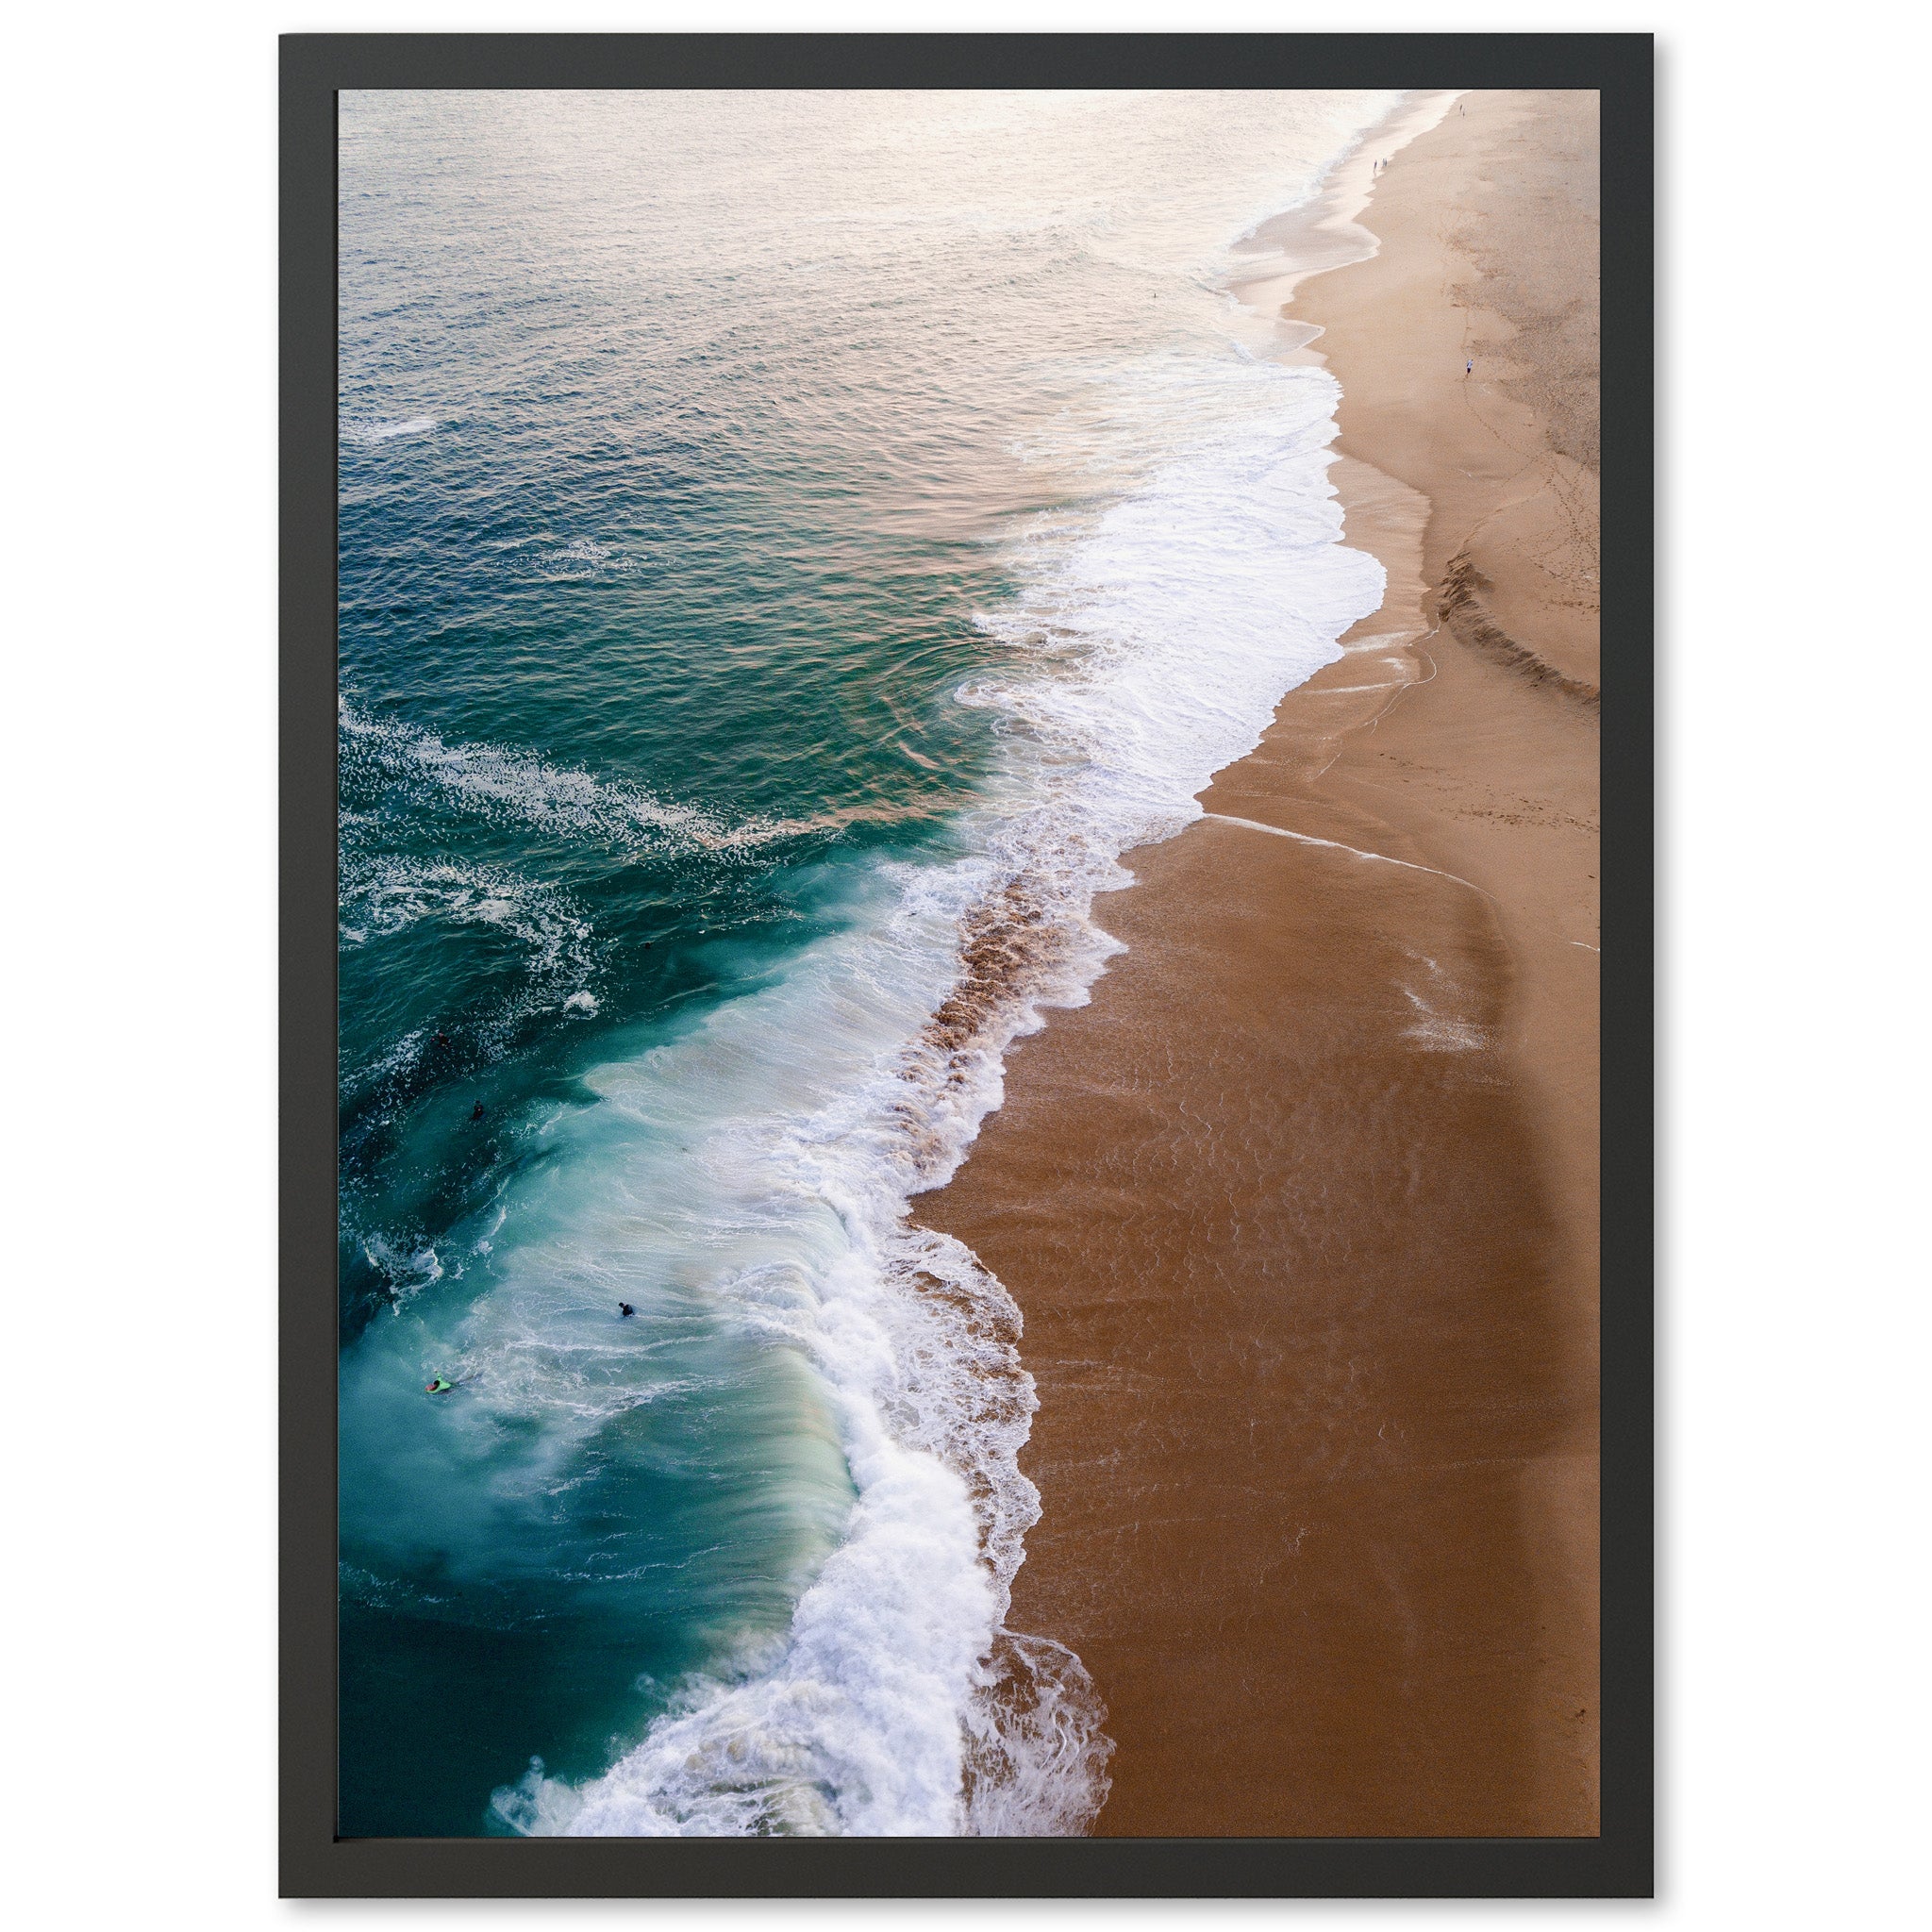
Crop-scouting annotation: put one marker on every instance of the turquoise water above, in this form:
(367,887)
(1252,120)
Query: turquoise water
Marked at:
(789,546)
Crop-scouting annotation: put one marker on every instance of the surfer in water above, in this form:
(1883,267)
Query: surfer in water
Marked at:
(624,1309)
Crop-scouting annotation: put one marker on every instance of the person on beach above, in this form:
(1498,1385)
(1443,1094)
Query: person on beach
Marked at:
(1469,368)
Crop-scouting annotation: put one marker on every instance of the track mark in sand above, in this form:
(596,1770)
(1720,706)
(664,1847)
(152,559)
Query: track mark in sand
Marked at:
(1356,851)
(1464,614)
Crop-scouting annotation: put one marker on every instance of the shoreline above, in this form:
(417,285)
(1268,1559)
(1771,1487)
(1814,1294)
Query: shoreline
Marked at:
(1300,1210)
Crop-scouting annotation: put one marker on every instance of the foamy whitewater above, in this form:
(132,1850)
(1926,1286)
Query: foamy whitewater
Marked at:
(1144,557)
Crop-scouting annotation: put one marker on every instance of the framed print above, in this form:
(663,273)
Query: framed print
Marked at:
(966,722)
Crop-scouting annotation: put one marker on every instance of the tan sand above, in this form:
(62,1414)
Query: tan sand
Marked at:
(1301,1211)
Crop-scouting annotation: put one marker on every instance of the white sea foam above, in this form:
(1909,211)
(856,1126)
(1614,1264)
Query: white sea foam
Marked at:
(504,782)
(508,782)
(559,952)
(382,895)
(1192,604)
(1437,1026)
(404,1272)
(384,432)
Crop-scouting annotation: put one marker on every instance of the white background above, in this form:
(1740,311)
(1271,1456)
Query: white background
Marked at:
(138,624)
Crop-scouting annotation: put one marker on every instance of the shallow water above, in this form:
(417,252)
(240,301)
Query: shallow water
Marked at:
(790,546)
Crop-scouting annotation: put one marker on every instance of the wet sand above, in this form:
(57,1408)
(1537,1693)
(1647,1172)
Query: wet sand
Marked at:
(1301,1209)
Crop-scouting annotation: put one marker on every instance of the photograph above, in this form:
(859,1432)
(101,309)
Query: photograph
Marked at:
(932,997)
(967,853)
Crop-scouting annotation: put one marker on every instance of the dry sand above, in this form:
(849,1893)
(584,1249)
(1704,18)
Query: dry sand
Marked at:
(1301,1209)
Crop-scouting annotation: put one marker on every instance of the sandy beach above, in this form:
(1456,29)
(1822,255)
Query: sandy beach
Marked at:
(1301,1209)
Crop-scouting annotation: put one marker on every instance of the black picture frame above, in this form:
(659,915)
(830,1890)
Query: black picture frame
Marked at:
(315,1861)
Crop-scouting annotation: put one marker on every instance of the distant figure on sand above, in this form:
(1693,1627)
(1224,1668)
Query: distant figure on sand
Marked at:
(1469,369)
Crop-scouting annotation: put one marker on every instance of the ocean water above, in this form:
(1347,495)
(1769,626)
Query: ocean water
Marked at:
(791,546)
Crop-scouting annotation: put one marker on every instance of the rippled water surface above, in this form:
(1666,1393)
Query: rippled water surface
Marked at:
(790,546)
